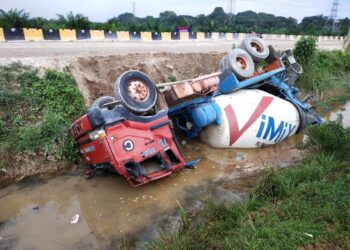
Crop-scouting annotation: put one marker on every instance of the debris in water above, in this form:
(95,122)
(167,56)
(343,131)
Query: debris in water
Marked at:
(36,208)
(75,219)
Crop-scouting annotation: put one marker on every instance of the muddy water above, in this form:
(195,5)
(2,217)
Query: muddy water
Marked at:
(37,215)
(345,112)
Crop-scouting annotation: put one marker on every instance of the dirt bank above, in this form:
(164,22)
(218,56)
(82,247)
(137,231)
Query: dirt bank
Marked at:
(95,76)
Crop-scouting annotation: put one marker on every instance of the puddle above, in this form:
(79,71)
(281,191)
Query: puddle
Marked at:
(345,111)
(37,216)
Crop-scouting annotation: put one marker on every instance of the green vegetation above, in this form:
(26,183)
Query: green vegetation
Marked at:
(35,113)
(304,205)
(217,21)
(171,78)
(323,71)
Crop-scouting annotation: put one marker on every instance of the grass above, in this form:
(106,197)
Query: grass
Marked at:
(304,205)
(325,72)
(35,113)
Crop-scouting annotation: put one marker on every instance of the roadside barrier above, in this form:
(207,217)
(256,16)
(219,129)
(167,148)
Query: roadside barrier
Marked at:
(215,35)
(51,34)
(97,35)
(184,36)
(83,34)
(200,36)
(135,36)
(166,36)
(13,34)
(222,35)
(207,35)
(156,36)
(175,36)
(123,35)
(29,34)
(33,34)
(110,35)
(2,37)
(68,35)
(146,36)
(192,35)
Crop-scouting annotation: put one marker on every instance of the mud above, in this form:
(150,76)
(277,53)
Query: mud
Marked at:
(110,209)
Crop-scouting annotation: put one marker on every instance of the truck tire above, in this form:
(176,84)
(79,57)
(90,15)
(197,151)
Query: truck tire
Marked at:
(99,102)
(240,63)
(136,91)
(256,47)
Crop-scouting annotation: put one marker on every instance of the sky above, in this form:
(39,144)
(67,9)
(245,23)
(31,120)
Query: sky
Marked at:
(101,10)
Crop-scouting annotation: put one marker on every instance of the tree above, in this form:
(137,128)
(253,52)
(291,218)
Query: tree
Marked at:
(219,18)
(127,21)
(13,18)
(72,21)
(151,23)
(167,21)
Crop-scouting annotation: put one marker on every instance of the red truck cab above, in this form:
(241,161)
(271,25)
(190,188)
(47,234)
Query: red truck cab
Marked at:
(141,148)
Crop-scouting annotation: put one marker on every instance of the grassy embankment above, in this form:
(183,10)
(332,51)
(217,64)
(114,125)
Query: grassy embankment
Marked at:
(326,73)
(302,206)
(35,113)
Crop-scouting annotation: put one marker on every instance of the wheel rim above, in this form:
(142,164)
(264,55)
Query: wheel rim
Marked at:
(241,62)
(256,47)
(138,90)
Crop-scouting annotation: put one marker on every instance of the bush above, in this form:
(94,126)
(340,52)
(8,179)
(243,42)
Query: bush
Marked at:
(305,50)
(36,112)
(331,138)
(57,92)
(327,71)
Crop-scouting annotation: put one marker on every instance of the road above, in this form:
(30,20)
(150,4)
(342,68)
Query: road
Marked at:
(90,48)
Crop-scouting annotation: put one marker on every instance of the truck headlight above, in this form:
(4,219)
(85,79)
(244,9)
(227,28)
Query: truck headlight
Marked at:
(97,134)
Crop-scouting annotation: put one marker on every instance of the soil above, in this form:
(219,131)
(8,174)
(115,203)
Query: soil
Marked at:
(96,76)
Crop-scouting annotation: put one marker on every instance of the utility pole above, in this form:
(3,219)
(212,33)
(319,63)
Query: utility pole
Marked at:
(133,8)
(231,6)
(334,15)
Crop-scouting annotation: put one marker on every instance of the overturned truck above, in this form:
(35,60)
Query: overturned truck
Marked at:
(250,102)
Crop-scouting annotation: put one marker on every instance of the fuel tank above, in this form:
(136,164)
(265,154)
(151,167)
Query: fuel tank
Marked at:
(251,118)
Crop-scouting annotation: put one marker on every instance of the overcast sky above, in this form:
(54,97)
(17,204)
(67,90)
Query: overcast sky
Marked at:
(101,10)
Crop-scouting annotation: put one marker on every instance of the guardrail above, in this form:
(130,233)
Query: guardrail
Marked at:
(16,34)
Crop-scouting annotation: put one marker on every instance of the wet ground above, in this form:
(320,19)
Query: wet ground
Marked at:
(37,215)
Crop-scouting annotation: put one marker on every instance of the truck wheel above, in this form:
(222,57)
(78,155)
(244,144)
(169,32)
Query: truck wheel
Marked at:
(240,63)
(256,47)
(136,90)
(99,102)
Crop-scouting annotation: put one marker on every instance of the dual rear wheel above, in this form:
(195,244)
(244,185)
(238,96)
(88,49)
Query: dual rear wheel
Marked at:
(134,89)
(241,61)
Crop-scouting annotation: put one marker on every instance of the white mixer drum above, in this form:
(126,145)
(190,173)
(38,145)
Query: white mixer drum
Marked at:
(251,118)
